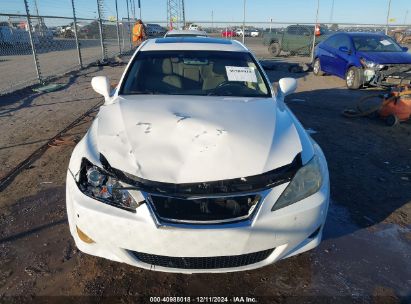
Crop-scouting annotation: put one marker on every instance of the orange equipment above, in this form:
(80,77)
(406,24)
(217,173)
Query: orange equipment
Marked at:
(396,107)
(317,31)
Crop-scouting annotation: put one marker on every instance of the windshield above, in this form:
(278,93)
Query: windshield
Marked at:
(375,44)
(212,73)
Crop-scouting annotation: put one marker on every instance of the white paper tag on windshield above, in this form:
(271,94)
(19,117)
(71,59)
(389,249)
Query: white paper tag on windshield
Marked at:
(385,42)
(241,73)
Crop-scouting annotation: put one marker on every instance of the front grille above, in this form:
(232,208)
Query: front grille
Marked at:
(203,262)
(205,210)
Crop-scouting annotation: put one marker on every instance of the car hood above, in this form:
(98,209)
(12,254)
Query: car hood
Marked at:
(387,57)
(186,139)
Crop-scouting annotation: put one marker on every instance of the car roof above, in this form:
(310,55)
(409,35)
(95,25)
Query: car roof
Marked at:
(193,43)
(353,34)
(186,32)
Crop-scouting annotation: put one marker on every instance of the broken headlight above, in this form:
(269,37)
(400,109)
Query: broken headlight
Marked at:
(306,182)
(371,64)
(103,186)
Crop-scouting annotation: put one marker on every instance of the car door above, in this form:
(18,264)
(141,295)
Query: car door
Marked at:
(342,57)
(327,54)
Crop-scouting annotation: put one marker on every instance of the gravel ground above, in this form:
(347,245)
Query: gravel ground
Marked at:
(364,257)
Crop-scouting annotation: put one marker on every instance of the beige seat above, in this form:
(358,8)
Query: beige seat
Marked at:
(213,76)
(170,78)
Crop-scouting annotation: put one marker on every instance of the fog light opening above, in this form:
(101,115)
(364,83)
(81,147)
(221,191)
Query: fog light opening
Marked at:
(315,233)
(84,237)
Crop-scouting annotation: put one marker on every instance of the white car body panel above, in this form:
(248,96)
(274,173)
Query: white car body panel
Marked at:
(183,139)
(188,139)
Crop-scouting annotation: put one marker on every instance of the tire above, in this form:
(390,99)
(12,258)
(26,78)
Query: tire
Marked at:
(274,49)
(353,78)
(392,120)
(317,68)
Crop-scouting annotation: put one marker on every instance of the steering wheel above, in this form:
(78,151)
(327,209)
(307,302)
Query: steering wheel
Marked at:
(224,85)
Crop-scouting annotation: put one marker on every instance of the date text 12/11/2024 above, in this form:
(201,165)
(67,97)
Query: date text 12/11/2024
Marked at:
(239,299)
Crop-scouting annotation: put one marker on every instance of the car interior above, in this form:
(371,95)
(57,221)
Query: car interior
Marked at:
(191,76)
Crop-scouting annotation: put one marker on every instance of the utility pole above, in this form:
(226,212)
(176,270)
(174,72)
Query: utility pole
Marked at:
(184,13)
(139,6)
(244,24)
(316,21)
(332,11)
(388,17)
(405,17)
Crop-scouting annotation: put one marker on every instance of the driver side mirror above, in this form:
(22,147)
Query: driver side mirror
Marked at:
(405,49)
(287,86)
(101,85)
(344,49)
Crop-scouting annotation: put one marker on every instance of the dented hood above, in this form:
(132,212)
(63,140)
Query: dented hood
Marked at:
(186,139)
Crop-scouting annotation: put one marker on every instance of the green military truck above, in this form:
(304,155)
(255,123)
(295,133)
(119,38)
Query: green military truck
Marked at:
(296,39)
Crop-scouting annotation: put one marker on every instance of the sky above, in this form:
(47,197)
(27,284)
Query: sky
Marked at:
(230,11)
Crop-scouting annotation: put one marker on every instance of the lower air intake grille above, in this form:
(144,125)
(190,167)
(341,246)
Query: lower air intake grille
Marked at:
(203,262)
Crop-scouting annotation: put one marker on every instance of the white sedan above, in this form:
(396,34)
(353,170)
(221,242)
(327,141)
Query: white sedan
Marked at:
(194,164)
(254,33)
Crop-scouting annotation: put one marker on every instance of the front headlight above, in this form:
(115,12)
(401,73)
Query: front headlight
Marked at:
(101,185)
(371,64)
(306,182)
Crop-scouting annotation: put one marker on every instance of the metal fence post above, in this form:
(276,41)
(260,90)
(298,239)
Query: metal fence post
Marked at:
(118,29)
(80,61)
(316,21)
(33,47)
(128,25)
(122,34)
(100,26)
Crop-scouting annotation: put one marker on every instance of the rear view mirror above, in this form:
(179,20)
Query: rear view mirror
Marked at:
(287,86)
(101,85)
(405,49)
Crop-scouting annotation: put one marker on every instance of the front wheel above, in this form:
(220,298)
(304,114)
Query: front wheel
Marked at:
(275,49)
(392,120)
(353,78)
(317,68)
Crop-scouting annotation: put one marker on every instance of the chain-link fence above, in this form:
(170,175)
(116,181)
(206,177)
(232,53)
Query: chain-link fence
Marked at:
(43,39)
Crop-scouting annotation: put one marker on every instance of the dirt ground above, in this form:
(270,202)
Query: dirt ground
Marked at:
(364,257)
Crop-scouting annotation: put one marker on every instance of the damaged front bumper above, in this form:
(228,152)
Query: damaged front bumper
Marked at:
(148,240)
(389,75)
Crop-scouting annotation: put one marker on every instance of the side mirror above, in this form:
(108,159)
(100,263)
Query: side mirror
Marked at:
(405,49)
(287,86)
(101,85)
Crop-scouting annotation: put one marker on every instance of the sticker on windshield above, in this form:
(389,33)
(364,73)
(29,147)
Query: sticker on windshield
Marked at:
(385,42)
(241,73)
